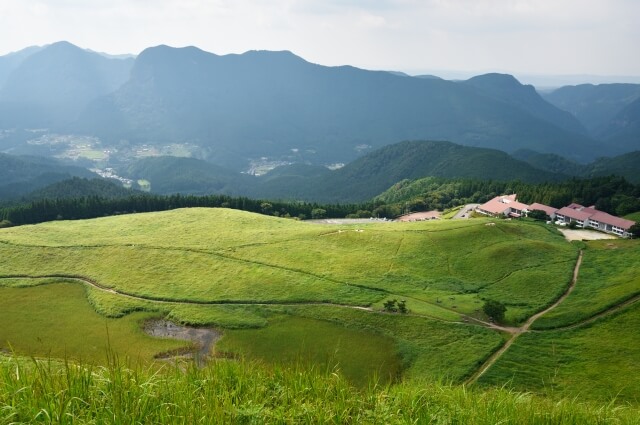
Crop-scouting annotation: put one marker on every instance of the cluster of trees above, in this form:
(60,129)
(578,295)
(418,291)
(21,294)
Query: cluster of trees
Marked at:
(612,194)
(42,210)
(395,306)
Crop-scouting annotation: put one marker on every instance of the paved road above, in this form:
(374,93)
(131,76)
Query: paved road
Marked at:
(464,211)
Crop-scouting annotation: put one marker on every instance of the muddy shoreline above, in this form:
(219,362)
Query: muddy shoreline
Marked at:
(202,339)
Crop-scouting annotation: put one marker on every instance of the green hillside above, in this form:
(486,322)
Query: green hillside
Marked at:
(357,181)
(626,165)
(286,292)
(20,175)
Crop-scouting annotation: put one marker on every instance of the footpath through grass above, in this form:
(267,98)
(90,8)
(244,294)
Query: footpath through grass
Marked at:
(241,393)
(609,275)
(598,361)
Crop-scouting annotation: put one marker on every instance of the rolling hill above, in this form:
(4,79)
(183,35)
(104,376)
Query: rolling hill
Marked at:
(268,282)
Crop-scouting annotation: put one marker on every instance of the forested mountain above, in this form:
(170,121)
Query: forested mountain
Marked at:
(506,88)
(355,182)
(78,187)
(8,63)
(50,87)
(368,176)
(270,103)
(169,174)
(625,165)
(623,131)
(550,162)
(20,175)
(595,106)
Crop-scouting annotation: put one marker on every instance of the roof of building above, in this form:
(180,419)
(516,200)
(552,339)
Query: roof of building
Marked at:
(575,206)
(500,204)
(573,213)
(542,207)
(494,206)
(612,220)
(518,205)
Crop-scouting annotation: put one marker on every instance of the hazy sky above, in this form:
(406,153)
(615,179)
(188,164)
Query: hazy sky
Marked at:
(600,37)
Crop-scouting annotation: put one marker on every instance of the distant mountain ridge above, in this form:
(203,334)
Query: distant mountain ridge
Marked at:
(626,165)
(610,112)
(267,103)
(240,107)
(50,86)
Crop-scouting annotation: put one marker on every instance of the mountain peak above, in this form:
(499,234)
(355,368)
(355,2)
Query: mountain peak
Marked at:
(494,80)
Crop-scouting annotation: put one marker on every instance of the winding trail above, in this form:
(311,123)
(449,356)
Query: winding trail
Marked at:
(92,283)
(515,332)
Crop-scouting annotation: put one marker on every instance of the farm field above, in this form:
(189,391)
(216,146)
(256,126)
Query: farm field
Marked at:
(290,292)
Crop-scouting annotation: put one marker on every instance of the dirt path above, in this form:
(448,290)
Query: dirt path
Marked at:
(603,313)
(103,288)
(515,332)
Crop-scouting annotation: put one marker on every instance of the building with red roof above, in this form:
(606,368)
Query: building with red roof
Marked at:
(550,211)
(503,205)
(590,217)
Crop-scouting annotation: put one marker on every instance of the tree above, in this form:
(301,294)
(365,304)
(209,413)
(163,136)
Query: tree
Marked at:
(266,208)
(402,307)
(635,230)
(494,309)
(390,306)
(538,215)
(318,213)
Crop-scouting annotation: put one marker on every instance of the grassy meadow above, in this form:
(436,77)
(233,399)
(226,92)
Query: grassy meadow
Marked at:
(598,361)
(54,319)
(286,292)
(608,277)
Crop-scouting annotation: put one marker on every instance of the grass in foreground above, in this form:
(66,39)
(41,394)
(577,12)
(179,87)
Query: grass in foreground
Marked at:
(241,393)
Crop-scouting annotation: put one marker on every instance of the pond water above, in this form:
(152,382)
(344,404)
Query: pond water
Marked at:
(202,339)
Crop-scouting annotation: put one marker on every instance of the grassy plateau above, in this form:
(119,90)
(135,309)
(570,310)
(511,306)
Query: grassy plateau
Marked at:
(308,296)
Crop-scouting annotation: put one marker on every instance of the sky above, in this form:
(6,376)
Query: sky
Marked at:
(446,37)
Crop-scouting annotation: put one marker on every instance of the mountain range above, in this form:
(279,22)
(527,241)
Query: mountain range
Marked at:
(610,112)
(240,107)
(373,173)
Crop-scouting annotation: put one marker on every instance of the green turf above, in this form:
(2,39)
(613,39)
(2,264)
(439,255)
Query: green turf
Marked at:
(264,277)
(218,255)
(357,354)
(608,276)
(56,320)
(598,361)
(429,348)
